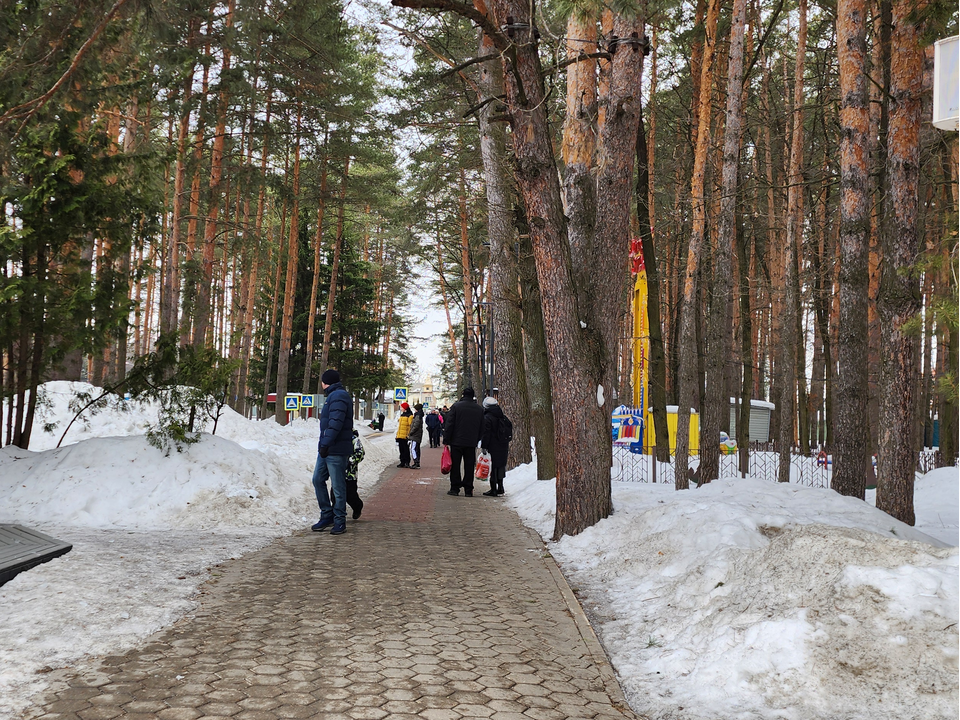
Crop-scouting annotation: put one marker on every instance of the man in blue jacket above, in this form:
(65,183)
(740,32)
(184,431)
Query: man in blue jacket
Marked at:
(335,448)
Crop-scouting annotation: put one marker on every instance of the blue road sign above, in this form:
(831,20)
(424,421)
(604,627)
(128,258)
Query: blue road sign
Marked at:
(399,394)
(306,401)
(291,402)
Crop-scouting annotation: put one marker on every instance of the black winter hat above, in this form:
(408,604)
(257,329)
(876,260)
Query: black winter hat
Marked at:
(468,392)
(330,377)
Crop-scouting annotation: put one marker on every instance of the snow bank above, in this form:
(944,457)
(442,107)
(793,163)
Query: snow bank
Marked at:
(147,525)
(751,599)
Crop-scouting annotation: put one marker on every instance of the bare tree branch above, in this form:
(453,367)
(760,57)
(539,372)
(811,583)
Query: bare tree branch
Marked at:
(463,10)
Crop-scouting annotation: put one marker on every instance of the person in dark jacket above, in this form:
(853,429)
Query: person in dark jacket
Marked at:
(415,435)
(494,442)
(335,448)
(462,428)
(432,421)
(380,418)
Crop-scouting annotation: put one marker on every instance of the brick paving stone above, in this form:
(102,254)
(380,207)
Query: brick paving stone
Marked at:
(430,607)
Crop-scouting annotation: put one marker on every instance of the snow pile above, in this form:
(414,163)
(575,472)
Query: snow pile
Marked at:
(125,482)
(752,599)
(146,526)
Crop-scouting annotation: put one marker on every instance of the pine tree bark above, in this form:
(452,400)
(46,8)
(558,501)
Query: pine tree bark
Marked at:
(535,357)
(658,360)
(687,376)
(290,287)
(317,244)
(716,408)
(789,336)
(334,268)
(511,379)
(899,299)
(851,451)
(202,317)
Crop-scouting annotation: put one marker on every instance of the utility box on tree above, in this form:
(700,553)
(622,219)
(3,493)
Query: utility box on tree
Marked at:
(946,84)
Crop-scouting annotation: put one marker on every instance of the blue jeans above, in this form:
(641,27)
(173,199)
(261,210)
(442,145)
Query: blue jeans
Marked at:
(335,468)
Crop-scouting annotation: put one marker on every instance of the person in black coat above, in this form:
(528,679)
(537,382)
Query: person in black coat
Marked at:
(432,421)
(494,442)
(334,451)
(462,427)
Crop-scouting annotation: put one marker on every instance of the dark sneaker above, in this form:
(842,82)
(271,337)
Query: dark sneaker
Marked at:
(453,492)
(338,528)
(357,511)
(468,493)
(321,525)
(403,465)
(415,466)
(490,493)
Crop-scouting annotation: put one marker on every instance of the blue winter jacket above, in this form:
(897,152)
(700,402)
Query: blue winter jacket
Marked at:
(336,421)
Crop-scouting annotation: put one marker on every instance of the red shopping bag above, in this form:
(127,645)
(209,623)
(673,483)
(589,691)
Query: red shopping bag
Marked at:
(446,464)
(481,470)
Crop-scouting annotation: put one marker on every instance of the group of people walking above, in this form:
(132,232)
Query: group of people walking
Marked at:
(410,427)
(462,428)
(468,425)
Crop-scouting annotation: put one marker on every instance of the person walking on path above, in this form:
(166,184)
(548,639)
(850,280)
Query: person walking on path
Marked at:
(353,470)
(334,450)
(403,429)
(463,425)
(497,433)
(432,421)
(415,435)
(380,418)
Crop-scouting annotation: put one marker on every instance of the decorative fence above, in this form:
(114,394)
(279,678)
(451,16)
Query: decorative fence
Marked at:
(810,470)
(764,464)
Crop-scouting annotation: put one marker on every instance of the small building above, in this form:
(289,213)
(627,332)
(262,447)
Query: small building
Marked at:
(760,411)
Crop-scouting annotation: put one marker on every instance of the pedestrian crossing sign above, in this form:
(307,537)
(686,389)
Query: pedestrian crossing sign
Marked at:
(306,401)
(291,402)
(400,394)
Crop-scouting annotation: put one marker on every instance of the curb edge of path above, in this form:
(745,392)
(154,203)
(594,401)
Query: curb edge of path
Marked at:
(610,682)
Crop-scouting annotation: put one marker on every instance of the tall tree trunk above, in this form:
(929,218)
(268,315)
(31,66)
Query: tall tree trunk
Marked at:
(511,379)
(658,360)
(789,335)
(454,349)
(317,243)
(535,357)
(334,269)
(204,288)
(716,408)
(471,366)
(687,376)
(899,300)
(852,448)
(290,289)
(272,318)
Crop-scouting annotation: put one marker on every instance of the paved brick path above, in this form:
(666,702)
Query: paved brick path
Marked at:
(429,606)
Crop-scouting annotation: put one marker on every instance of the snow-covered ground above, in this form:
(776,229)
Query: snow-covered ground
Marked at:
(147,527)
(743,599)
(752,599)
